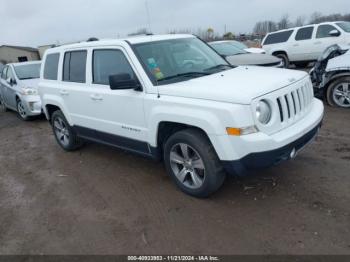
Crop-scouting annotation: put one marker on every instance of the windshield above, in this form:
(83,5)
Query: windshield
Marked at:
(238,45)
(227,49)
(345,26)
(29,71)
(178,60)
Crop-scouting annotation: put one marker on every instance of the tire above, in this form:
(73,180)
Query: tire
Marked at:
(301,64)
(285,60)
(338,93)
(3,107)
(22,112)
(65,135)
(199,174)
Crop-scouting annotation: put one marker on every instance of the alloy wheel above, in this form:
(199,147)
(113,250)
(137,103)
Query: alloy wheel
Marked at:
(61,131)
(21,110)
(187,165)
(341,94)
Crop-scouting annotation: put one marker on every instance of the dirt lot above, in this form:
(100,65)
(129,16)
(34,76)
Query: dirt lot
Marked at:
(104,201)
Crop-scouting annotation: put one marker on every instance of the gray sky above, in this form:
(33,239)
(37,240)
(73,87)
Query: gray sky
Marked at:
(40,22)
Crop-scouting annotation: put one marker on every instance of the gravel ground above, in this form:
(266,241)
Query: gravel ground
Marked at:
(100,200)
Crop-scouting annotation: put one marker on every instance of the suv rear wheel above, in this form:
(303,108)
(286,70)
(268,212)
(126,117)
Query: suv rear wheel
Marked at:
(338,93)
(65,135)
(192,163)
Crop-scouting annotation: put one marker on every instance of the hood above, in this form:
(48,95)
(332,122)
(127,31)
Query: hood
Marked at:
(239,85)
(30,83)
(339,63)
(255,50)
(253,59)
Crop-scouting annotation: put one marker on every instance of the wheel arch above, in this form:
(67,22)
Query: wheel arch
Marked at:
(50,105)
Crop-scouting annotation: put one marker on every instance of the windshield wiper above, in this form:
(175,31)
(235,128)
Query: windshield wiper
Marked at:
(188,74)
(219,67)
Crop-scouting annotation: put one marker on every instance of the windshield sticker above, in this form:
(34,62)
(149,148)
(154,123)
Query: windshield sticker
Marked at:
(155,69)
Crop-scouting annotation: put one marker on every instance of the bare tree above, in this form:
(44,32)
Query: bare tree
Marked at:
(300,21)
(264,27)
(284,22)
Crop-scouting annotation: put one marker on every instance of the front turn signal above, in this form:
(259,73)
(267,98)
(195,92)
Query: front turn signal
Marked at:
(231,131)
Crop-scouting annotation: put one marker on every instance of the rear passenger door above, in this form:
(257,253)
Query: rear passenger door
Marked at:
(302,47)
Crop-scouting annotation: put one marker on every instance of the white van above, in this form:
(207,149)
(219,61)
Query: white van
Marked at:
(305,44)
(173,98)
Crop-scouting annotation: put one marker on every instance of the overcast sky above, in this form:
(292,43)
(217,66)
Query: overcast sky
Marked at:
(40,22)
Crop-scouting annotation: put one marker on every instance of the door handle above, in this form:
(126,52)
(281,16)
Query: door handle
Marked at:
(64,93)
(296,45)
(96,97)
(318,43)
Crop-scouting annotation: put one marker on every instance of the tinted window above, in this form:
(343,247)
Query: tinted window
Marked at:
(51,66)
(277,38)
(4,71)
(74,68)
(345,26)
(324,30)
(304,33)
(107,63)
(227,49)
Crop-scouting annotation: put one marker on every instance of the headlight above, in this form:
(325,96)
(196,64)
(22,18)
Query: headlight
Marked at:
(263,112)
(29,92)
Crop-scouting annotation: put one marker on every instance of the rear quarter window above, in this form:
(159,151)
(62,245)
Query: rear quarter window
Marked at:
(51,66)
(277,38)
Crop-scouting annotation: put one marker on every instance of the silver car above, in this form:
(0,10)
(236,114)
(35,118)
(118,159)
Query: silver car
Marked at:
(19,89)
(240,57)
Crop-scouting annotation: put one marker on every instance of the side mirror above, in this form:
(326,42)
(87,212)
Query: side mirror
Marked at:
(11,81)
(123,81)
(334,32)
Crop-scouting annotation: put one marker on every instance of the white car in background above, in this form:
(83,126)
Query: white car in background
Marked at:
(19,89)
(240,45)
(302,45)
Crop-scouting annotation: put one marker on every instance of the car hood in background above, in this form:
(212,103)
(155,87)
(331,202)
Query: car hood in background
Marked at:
(255,50)
(30,83)
(253,59)
(239,85)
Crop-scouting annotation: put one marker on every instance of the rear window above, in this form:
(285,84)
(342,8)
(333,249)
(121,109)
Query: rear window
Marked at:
(74,67)
(51,66)
(276,38)
(304,33)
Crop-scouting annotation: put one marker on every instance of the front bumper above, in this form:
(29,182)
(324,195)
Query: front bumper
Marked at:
(270,158)
(32,105)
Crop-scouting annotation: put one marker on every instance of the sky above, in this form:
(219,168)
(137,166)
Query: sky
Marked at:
(40,22)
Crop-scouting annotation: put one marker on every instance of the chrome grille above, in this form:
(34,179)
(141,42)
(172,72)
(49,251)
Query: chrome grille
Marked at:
(294,103)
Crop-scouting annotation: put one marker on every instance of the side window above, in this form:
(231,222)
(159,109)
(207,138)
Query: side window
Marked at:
(4,72)
(10,73)
(304,33)
(107,63)
(324,30)
(51,66)
(277,38)
(74,67)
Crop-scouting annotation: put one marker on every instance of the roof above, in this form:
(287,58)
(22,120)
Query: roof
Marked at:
(294,28)
(26,48)
(25,63)
(131,40)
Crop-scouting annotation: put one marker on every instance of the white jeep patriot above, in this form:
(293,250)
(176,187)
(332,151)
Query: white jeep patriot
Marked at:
(173,98)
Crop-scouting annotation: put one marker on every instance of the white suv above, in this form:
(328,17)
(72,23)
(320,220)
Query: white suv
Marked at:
(302,45)
(173,98)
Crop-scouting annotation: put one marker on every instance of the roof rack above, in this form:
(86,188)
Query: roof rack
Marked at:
(92,39)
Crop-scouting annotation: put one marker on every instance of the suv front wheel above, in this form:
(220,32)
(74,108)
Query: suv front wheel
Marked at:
(193,164)
(65,135)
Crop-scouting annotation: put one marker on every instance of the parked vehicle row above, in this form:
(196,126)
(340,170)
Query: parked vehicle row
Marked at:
(173,98)
(19,89)
(302,45)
